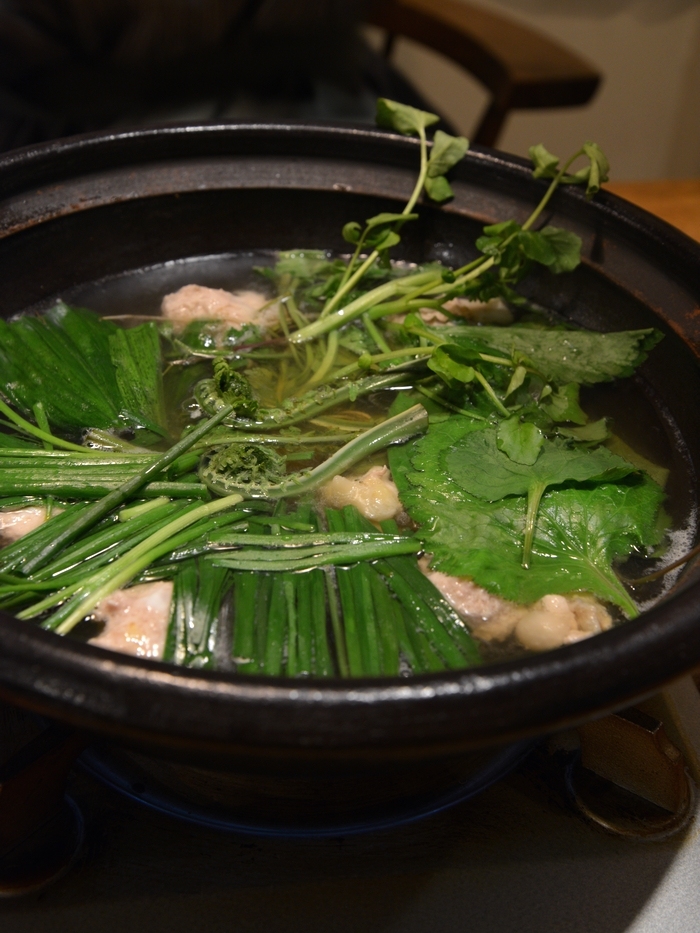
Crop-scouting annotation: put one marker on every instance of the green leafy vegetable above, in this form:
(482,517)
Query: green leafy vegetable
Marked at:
(81,371)
(404,119)
(563,405)
(136,357)
(520,441)
(580,531)
(591,175)
(562,355)
(477,465)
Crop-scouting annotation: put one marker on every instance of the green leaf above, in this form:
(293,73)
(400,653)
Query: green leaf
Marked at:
(545,164)
(580,530)
(62,359)
(478,466)
(563,405)
(516,380)
(438,188)
(561,355)
(521,441)
(452,364)
(565,247)
(536,247)
(595,433)
(136,357)
(403,118)
(599,168)
(381,220)
(352,232)
(384,240)
(446,151)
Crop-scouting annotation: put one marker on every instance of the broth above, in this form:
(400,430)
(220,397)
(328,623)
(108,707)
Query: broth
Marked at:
(639,420)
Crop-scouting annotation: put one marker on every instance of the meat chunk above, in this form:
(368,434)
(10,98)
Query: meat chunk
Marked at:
(549,623)
(373,494)
(19,522)
(136,619)
(199,303)
(464,595)
(494,311)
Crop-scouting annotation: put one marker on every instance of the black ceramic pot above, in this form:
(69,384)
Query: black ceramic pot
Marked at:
(77,214)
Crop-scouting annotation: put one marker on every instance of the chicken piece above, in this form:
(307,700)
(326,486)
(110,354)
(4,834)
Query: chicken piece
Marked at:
(465,597)
(199,303)
(591,616)
(494,311)
(19,522)
(373,494)
(136,619)
(561,620)
(549,623)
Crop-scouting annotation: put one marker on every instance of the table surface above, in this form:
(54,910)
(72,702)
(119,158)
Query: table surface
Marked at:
(517,860)
(677,202)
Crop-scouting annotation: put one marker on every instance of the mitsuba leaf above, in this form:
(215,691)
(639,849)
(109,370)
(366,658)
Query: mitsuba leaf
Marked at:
(545,165)
(352,232)
(565,247)
(536,247)
(452,364)
(438,188)
(594,433)
(447,151)
(598,169)
(403,118)
(563,405)
(521,441)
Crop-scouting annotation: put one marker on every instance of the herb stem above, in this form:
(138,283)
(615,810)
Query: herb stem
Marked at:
(112,500)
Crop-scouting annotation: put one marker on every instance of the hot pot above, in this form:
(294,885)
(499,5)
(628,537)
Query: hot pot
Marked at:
(77,214)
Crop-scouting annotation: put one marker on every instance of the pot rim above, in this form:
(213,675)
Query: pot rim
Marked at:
(142,700)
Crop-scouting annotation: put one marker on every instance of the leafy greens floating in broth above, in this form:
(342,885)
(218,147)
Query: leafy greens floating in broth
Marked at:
(503,478)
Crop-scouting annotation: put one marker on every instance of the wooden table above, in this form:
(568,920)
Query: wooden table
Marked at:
(677,202)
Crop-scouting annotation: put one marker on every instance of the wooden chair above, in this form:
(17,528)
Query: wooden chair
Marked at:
(522,68)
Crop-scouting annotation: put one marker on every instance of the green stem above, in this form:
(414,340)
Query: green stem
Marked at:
(346,285)
(358,307)
(29,428)
(137,510)
(534,495)
(137,559)
(500,407)
(114,499)
(375,333)
(312,558)
(326,363)
(336,624)
(550,191)
(42,422)
(406,352)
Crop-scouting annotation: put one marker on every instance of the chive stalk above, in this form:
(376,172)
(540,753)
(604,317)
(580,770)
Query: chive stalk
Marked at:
(114,499)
